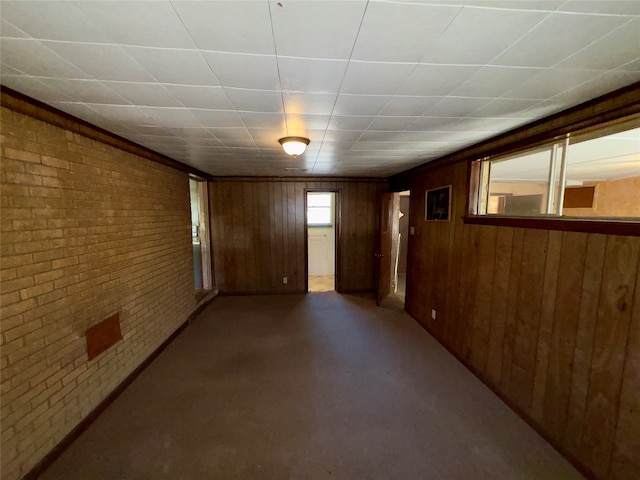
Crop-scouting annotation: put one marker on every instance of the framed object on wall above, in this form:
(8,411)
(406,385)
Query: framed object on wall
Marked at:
(438,204)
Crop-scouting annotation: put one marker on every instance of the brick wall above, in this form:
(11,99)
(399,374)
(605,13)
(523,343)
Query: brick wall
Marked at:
(87,230)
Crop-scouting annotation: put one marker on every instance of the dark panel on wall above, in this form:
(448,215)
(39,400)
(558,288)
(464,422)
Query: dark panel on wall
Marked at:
(549,319)
(258,233)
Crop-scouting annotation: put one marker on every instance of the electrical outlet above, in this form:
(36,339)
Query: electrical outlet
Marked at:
(433,313)
(285,280)
(411,230)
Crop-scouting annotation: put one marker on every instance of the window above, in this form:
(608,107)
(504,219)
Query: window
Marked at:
(593,173)
(319,209)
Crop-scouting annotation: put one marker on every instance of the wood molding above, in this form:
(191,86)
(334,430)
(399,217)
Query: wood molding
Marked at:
(620,103)
(565,224)
(73,435)
(26,105)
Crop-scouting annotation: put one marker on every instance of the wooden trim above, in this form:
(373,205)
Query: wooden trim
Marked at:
(581,467)
(86,422)
(317,178)
(565,224)
(26,105)
(612,106)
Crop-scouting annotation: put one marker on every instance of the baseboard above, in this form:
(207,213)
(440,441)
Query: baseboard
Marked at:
(581,467)
(53,455)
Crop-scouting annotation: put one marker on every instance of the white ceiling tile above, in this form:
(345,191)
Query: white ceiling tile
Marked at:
(309,103)
(434,123)
(300,125)
(549,83)
(365,78)
(33,87)
(493,82)
(400,32)
(457,106)
(53,21)
(633,66)
(102,62)
(87,113)
(391,123)
(144,94)
(244,71)
(614,7)
(348,136)
(538,5)
(172,117)
(330,34)
(359,122)
(181,67)
(308,75)
(255,100)
(196,96)
(128,115)
(604,83)
(558,37)
(615,49)
(504,107)
(7,30)
(263,120)
(86,91)
(35,59)
(436,80)
(228,26)
(406,105)
(218,118)
(360,104)
(466,40)
(145,23)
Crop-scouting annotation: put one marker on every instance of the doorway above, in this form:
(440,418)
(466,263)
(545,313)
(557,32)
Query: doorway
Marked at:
(199,201)
(322,230)
(392,258)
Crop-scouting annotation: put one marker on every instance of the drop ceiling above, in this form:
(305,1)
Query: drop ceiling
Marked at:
(377,86)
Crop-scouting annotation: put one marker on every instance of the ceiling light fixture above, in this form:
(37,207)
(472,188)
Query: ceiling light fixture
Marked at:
(294,146)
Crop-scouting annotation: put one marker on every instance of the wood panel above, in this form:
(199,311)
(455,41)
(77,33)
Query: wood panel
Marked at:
(543,317)
(258,233)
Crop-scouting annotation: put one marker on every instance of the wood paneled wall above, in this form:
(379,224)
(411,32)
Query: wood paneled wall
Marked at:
(549,319)
(258,233)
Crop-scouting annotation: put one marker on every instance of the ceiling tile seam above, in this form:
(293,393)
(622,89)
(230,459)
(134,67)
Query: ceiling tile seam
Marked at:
(622,25)
(546,10)
(195,43)
(435,41)
(275,50)
(344,75)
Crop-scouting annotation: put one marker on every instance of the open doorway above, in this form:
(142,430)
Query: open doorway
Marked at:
(321,241)
(392,257)
(400,246)
(199,201)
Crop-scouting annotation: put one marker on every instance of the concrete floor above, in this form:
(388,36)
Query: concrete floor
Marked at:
(317,386)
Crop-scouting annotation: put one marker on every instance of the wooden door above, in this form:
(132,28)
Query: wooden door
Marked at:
(384,254)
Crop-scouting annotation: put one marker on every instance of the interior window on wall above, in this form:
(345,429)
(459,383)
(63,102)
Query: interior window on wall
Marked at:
(584,174)
(319,209)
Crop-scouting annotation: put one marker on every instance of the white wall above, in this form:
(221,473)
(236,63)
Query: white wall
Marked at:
(322,243)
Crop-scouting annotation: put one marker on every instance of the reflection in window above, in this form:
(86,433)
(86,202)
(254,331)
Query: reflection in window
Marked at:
(591,174)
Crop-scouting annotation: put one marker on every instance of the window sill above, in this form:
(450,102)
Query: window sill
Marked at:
(605,226)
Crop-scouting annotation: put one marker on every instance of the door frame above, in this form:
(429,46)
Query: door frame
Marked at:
(337,218)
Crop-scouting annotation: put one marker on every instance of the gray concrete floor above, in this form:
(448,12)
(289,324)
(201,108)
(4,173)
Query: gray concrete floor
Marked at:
(317,386)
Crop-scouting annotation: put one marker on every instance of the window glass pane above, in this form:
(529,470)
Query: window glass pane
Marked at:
(319,216)
(603,175)
(319,200)
(519,184)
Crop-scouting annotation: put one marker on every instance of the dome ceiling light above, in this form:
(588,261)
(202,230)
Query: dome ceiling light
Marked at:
(294,146)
